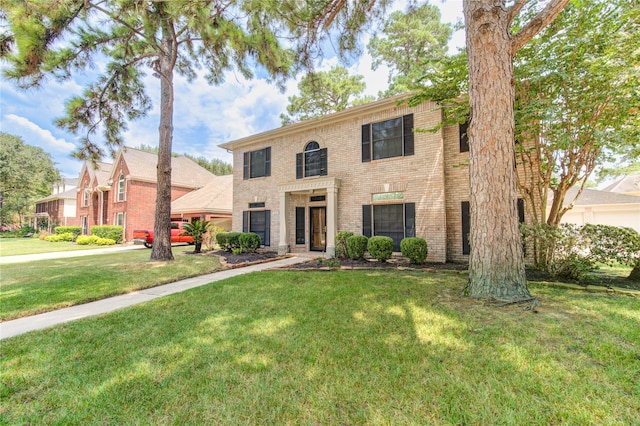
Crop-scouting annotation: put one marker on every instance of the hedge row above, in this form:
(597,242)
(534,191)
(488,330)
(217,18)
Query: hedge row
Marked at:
(84,240)
(379,247)
(111,232)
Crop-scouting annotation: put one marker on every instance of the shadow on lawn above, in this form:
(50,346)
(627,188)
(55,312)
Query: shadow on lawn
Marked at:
(305,347)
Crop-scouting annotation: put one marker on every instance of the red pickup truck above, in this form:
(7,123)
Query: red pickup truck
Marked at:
(177,235)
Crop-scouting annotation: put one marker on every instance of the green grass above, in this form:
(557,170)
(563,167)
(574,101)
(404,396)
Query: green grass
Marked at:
(35,287)
(20,246)
(347,347)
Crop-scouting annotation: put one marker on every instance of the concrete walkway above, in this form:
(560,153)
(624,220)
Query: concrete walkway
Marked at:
(41,321)
(66,254)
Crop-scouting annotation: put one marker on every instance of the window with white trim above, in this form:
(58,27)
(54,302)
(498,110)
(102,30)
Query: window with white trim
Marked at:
(120,188)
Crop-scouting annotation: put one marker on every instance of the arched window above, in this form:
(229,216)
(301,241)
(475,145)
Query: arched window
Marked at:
(311,162)
(121,187)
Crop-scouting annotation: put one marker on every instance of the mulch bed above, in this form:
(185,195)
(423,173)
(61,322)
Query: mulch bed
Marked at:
(245,259)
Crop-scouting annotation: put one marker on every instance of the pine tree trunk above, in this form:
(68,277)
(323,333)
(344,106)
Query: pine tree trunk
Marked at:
(162,227)
(496,264)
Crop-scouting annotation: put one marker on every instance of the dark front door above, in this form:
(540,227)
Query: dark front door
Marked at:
(318,228)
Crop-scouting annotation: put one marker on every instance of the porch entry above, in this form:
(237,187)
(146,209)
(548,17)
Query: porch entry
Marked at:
(318,228)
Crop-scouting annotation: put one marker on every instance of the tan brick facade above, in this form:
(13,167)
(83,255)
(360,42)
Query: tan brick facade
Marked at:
(435,178)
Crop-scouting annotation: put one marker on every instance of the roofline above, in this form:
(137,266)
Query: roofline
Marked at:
(314,122)
(202,210)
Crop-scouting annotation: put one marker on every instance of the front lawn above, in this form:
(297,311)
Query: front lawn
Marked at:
(346,347)
(20,246)
(35,287)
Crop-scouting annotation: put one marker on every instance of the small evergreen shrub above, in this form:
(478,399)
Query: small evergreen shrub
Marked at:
(222,238)
(58,238)
(415,249)
(249,242)
(357,246)
(341,244)
(75,230)
(233,240)
(107,231)
(25,231)
(380,248)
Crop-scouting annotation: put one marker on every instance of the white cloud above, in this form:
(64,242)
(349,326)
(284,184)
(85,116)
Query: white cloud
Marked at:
(35,135)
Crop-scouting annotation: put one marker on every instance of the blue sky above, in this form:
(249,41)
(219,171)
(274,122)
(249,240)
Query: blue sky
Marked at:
(204,116)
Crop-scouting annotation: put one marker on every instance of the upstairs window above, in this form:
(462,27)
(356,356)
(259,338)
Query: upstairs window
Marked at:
(121,188)
(386,139)
(257,163)
(311,162)
(85,196)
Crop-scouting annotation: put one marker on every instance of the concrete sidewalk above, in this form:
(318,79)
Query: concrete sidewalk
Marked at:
(66,254)
(41,321)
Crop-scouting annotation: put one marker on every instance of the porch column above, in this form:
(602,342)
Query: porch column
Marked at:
(332,220)
(283,244)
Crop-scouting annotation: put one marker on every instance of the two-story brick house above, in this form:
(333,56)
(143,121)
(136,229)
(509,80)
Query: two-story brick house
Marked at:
(59,208)
(366,170)
(124,192)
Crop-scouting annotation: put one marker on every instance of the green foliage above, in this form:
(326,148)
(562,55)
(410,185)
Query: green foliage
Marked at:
(410,44)
(26,174)
(415,249)
(572,252)
(196,229)
(223,240)
(75,230)
(613,244)
(249,242)
(215,166)
(114,233)
(324,92)
(233,240)
(380,248)
(341,244)
(356,246)
(95,240)
(62,237)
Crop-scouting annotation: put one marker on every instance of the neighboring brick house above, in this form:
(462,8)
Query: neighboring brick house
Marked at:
(212,202)
(124,192)
(57,209)
(363,170)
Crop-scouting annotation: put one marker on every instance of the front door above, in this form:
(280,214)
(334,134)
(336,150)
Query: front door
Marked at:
(318,228)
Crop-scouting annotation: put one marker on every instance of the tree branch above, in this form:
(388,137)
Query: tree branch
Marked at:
(537,24)
(515,9)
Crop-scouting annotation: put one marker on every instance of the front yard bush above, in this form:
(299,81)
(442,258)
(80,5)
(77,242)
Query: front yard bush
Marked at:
(249,242)
(108,231)
(75,230)
(357,246)
(233,240)
(222,238)
(415,249)
(59,238)
(84,240)
(380,248)
(341,244)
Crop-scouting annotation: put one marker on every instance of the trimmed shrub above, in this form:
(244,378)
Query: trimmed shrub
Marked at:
(357,246)
(341,244)
(58,238)
(380,248)
(249,242)
(105,241)
(108,231)
(233,240)
(222,238)
(75,230)
(415,249)
(85,240)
